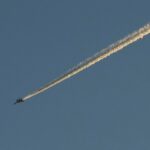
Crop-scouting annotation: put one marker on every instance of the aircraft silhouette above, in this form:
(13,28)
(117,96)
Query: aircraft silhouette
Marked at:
(19,100)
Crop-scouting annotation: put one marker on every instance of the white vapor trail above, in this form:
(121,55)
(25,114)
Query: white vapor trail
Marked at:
(104,53)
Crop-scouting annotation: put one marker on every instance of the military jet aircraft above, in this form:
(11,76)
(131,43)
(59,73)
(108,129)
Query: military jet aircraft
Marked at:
(19,100)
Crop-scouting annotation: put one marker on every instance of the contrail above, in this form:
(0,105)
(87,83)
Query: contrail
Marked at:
(104,53)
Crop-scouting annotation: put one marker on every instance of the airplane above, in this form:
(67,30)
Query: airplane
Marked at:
(19,100)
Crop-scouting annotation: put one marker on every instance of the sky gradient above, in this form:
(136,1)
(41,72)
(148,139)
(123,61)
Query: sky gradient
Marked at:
(105,107)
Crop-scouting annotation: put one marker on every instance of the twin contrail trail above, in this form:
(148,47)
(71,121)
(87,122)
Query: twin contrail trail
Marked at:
(104,53)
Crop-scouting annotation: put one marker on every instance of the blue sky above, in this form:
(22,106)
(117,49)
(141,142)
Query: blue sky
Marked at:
(105,107)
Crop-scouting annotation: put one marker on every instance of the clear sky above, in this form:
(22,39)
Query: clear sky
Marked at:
(105,107)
